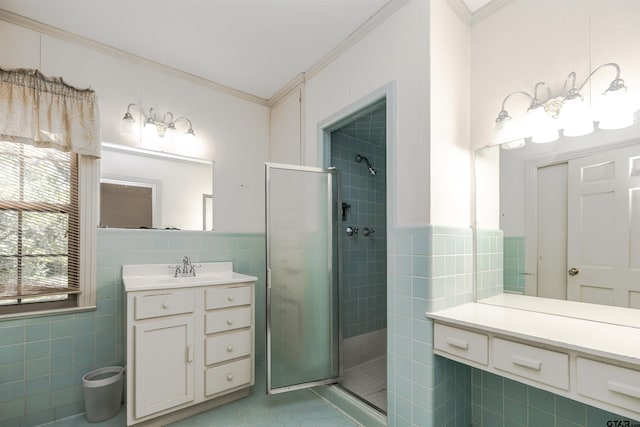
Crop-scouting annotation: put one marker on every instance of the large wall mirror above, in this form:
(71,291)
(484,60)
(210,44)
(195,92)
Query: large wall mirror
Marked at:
(147,189)
(561,220)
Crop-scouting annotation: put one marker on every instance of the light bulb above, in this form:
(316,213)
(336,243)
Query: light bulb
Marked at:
(616,111)
(542,127)
(575,117)
(128,126)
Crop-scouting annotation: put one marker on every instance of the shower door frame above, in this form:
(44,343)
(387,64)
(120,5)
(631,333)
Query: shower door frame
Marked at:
(331,172)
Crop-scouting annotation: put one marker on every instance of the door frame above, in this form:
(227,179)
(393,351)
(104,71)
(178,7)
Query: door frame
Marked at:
(531,203)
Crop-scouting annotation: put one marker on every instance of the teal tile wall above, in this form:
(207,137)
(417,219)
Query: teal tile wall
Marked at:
(43,359)
(501,402)
(490,264)
(513,277)
(364,278)
(429,268)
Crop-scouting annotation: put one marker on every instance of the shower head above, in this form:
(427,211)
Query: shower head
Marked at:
(360,158)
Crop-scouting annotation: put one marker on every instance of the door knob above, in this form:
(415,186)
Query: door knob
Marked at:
(573,271)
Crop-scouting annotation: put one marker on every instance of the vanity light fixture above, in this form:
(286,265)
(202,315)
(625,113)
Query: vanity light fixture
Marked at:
(153,125)
(567,111)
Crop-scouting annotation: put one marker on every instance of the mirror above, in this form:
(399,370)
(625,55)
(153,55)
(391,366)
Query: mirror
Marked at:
(561,220)
(147,189)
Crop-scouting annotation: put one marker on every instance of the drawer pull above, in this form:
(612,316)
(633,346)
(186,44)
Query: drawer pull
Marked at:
(621,388)
(525,362)
(454,342)
(230,298)
(230,377)
(229,348)
(229,322)
(166,305)
(189,354)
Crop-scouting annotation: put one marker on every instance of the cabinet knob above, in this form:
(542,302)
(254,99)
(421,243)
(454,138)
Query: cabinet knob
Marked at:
(229,348)
(229,377)
(230,298)
(166,305)
(229,322)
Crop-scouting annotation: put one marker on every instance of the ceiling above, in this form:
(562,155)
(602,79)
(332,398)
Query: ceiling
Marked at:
(254,46)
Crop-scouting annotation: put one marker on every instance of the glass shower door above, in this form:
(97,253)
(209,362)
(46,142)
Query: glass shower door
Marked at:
(303,331)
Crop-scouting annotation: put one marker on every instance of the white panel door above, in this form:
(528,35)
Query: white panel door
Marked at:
(552,231)
(604,228)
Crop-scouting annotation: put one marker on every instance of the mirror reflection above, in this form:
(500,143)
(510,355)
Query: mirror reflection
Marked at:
(561,220)
(146,189)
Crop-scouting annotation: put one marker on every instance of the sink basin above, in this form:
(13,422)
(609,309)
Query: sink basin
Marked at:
(160,276)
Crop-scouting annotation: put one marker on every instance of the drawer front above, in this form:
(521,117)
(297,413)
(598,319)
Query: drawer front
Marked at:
(609,383)
(538,364)
(164,304)
(227,376)
(227,320)
(227,297)
(227,347)
(461,343)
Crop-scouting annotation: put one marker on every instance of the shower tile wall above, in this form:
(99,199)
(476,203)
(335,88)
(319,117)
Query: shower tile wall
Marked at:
(364,257)
(43,359)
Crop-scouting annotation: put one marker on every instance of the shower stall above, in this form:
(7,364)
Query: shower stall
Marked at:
(326,266)
(358,151)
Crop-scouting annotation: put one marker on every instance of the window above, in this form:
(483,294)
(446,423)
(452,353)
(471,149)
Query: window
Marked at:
(49,146)
(41,242)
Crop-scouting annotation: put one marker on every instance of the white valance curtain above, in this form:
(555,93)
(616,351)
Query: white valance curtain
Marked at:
(47,112)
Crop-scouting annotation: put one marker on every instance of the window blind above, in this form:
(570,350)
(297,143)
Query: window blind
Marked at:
(39,225)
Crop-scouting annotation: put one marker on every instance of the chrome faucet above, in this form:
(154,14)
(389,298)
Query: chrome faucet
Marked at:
(186,265)
(188,269)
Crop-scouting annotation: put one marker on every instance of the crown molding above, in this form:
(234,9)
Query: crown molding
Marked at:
(488,9)
(461,10)
(52,31)
(282,93)
(359,33)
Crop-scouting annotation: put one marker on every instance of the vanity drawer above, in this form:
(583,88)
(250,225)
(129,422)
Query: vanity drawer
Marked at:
(609,383)
(227,297)
(462,343)
(227,376)
(164,304)
(544,366)
(226,320)
(227,347)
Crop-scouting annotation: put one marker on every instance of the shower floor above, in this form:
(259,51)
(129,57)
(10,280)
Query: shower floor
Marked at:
(365,367)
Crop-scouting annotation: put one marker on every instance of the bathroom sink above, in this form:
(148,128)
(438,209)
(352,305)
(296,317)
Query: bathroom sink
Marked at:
(162,276)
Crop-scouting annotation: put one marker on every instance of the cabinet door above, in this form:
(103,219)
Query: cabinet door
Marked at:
(163,365)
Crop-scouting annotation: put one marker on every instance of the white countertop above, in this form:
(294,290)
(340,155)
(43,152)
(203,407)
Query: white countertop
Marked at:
(603,339)
(144,277)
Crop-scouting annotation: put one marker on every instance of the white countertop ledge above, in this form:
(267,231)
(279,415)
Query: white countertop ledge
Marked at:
(596,338)
(144,277)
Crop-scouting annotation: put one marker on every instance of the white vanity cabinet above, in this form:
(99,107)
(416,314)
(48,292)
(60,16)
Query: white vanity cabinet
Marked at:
(596,363)
(190,342)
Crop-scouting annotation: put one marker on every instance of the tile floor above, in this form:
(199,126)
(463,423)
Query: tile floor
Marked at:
(365,367)
(369,381)
(301,408)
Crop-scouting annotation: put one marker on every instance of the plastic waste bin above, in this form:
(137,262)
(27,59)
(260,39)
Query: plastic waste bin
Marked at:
(102,389)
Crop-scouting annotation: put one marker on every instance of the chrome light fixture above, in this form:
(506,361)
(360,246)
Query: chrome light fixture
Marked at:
(567,111)
(153,125)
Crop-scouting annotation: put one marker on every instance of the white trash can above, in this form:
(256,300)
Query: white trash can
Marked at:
(102,389)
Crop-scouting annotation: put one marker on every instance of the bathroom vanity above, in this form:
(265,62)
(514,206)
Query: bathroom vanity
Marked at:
(190,339)
(548,344)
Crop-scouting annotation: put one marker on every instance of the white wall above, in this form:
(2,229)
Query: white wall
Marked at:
(231,131)
(544,40)
(286,128)
(449,38)
(397,50)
